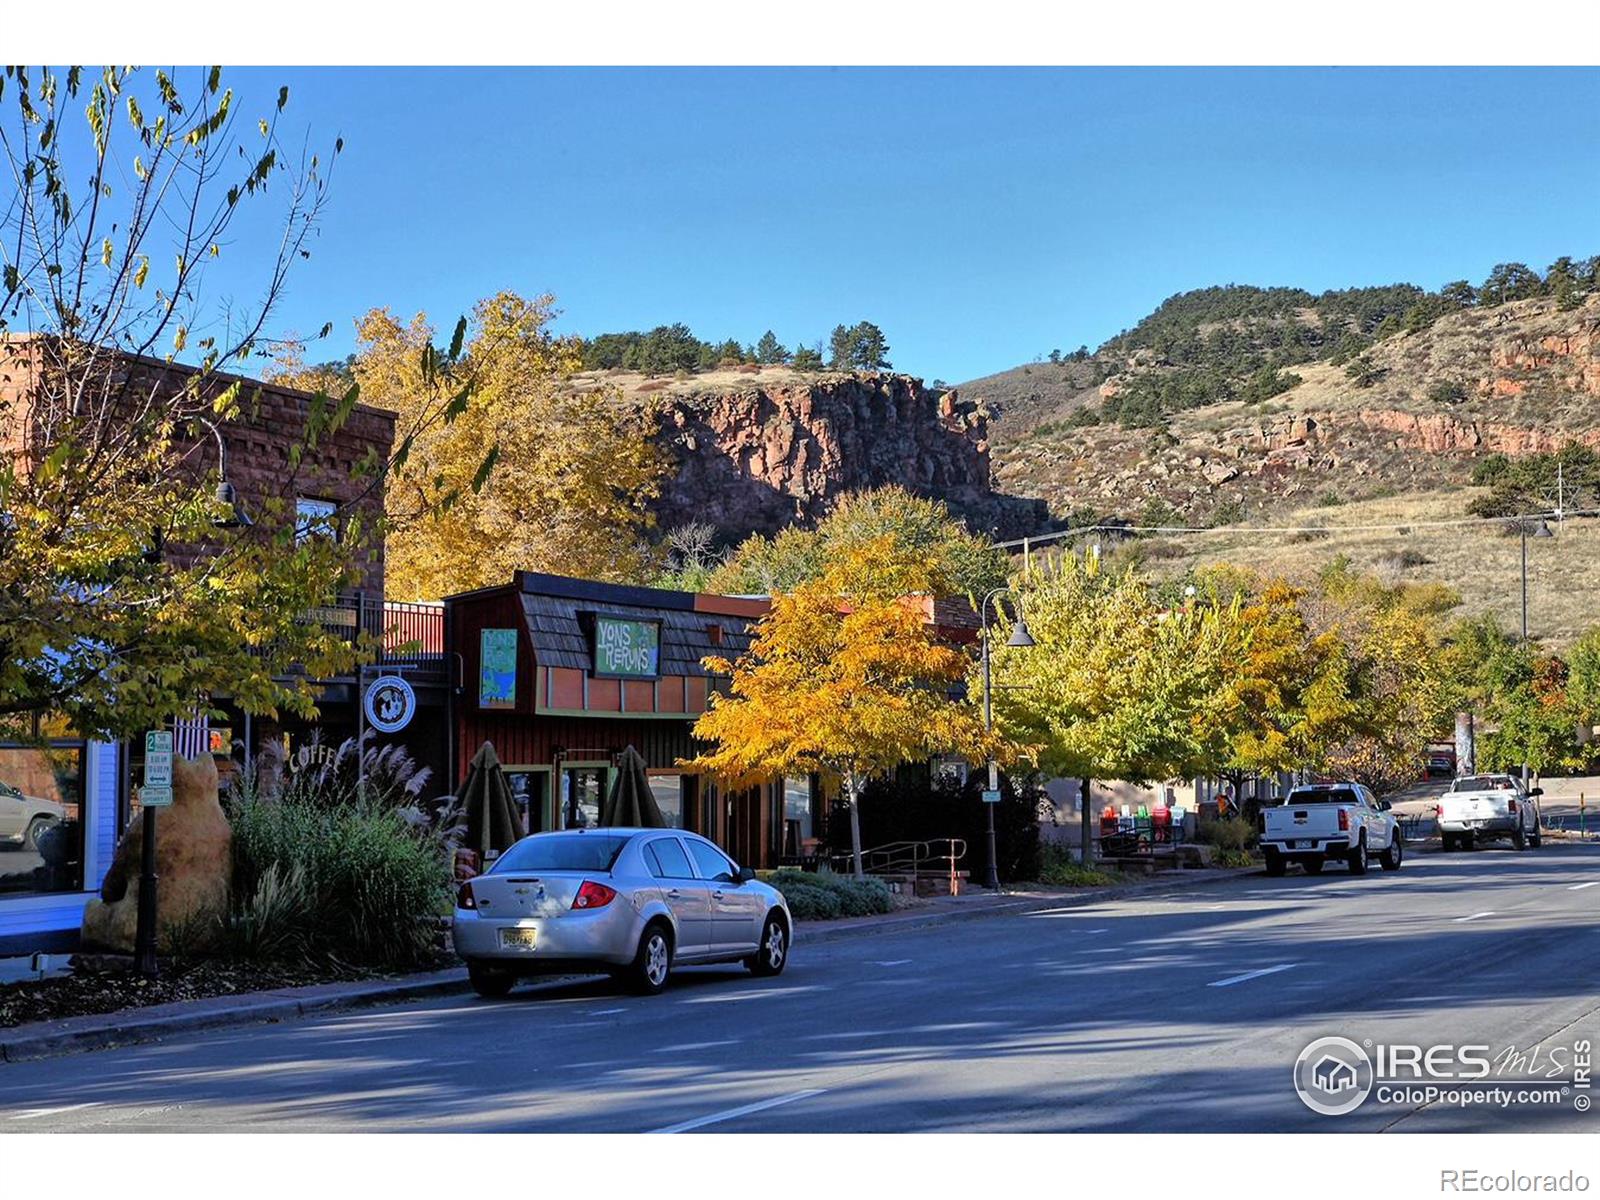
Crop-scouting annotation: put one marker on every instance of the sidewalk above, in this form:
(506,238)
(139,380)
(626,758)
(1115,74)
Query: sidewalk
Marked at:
(45,1039)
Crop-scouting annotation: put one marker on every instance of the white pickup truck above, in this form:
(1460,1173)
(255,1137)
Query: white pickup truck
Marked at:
(1477,807)
(1343,821)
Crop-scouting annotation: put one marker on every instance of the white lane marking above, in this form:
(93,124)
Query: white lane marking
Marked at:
(29,1114)
(891,962)
(1248,975)
(696,1046)
(743,1110)
(735,997)
(1578,887)
(605,1012)
(1094,931)
(1475,916)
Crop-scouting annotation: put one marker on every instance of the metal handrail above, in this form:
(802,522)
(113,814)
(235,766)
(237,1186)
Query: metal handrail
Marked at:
(905,855)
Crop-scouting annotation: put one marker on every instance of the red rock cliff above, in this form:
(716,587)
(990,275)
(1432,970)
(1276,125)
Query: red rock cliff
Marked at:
(759,456)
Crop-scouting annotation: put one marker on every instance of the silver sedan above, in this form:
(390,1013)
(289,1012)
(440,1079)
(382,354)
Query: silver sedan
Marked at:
(628,902)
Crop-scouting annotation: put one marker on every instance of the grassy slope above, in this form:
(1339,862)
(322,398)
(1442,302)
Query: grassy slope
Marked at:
(1480,562)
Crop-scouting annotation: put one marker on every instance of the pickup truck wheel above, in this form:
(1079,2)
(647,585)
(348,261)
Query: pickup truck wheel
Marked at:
(1275,863)
(1519,838)
(1449,842)
(1358,857)
(1313,866)
(1536,838)
(1396,851)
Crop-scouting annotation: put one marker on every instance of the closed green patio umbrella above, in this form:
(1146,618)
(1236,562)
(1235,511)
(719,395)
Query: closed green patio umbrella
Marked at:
(631,803)
(493,823)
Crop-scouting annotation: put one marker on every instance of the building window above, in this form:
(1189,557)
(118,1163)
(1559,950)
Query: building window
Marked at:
(950,772)
(41,818)
(668,791)
(799,823)
(314,518)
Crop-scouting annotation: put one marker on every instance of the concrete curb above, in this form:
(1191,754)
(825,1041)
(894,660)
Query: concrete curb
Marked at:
(1011,905)
(47,1039)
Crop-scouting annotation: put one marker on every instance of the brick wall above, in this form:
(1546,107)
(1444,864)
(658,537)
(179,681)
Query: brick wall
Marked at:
(273,419)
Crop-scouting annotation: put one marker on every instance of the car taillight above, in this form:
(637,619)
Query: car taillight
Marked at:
(593,895)
(1344,818)
(1438,810)
(464,896)
(1512,805)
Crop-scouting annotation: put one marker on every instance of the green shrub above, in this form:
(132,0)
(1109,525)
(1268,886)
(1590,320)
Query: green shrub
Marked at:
(822,896)
(1232,838)
(1060,869)
(352,884)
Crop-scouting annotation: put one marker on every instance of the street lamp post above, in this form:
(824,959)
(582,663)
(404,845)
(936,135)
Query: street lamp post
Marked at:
(1019,637)
(1542,530)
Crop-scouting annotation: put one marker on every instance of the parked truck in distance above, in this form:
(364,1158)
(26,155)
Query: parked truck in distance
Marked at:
(1344,822)
(1482,807)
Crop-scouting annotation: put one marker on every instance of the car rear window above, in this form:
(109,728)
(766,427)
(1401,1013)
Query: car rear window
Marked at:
(562,852)
(1482,783)
(1327,795)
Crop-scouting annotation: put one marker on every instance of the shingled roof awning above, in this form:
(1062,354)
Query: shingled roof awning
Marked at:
(559,637)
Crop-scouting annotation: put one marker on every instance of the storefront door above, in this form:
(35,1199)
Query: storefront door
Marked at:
(583,792)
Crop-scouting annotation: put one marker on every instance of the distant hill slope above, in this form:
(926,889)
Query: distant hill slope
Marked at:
(1348,415)
(1222,419)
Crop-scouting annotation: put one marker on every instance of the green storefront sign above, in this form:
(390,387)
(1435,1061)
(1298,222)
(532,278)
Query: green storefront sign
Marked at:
(625,649)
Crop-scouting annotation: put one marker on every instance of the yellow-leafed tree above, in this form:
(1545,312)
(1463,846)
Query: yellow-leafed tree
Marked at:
(534,475)
(845,678)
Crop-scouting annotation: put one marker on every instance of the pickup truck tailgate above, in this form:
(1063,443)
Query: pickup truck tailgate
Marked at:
(1302,821)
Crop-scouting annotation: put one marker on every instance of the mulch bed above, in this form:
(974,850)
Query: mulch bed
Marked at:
(87,992)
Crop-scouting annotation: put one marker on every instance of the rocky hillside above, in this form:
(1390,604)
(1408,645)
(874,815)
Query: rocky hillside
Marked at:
(1406,414)
(758,448)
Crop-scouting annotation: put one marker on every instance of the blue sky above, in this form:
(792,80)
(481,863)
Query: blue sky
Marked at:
(980,217)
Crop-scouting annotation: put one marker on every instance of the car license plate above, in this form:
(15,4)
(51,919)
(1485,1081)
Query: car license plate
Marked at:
(517,939)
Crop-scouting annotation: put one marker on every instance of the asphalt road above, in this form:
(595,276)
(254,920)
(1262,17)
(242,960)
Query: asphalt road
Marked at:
(1181,1011)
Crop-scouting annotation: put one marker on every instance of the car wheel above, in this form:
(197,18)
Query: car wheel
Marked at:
(1394,854)
(1519,838)
(1275,863)
(652,965)
(1358,858)
(1313,866)
(1536,838)
(773,952)
(491,983)
(36,827)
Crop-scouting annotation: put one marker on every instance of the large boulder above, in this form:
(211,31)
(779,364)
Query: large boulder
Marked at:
(194,866)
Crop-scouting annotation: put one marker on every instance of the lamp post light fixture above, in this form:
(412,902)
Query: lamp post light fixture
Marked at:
(1020,638)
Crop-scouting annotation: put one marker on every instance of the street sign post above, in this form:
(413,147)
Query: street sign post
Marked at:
(155,794)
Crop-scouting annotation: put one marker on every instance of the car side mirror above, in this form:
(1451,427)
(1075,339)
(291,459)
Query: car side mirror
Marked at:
(746,874)
(1538,791)
(1384,806)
